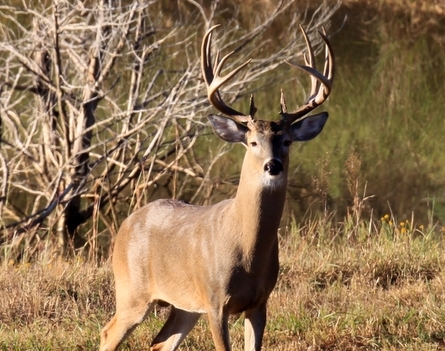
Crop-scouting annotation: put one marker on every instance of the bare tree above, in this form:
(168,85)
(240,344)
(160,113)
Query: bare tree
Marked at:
(101,102)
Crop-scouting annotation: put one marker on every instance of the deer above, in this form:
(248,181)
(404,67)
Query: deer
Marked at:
(221,259)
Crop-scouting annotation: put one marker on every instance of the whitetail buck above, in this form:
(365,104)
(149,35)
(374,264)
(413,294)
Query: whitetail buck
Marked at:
(220,259)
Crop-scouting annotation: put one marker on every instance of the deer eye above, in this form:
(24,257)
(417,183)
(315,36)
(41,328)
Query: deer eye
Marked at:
(253,143)
(287,142)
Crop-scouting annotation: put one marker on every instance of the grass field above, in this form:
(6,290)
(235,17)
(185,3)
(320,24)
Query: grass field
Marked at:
(359,285)
(368,273)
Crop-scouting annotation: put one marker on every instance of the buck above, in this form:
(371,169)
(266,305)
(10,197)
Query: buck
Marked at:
(221,259)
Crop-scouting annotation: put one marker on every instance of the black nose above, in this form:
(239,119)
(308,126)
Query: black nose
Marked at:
(273,167)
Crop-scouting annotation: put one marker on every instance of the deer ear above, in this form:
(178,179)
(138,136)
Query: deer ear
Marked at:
(308,128)
(227,129)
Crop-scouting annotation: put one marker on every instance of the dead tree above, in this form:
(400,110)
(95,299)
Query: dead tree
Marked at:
(101,102)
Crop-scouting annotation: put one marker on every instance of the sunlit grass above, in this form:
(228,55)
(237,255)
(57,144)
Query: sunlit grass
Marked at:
(366,272)
(375,285)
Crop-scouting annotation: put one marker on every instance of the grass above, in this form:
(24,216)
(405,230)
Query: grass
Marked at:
(366,276)
(358,286)
(386,107)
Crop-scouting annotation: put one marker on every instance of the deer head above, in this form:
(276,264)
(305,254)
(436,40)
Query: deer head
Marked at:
(268,140)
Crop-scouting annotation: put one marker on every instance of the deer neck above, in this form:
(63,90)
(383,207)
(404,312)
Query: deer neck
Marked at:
(258,207)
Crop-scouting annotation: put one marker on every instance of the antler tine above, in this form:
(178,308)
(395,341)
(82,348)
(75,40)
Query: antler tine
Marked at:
(309,60)
(329,68)
(252,109)
(321,84)
(214,81)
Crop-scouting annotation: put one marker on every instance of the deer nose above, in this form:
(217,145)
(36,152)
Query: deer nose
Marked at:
(273,167)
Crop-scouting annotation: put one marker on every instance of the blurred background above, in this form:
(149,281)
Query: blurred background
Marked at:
(125,122)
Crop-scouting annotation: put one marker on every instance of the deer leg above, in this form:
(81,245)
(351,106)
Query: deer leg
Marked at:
(254,324)
(220,331)
(129,314)
(178,325)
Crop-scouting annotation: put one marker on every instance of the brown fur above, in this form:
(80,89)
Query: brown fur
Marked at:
(220,259)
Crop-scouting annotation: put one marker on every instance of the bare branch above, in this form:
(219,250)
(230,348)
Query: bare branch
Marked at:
(102,106)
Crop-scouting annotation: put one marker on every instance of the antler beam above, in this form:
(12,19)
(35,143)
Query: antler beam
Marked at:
(321,83)
(214,81)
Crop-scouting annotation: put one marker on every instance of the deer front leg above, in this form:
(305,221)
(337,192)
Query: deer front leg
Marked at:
(126,319)
(254,324)
(218,321)
(178,325)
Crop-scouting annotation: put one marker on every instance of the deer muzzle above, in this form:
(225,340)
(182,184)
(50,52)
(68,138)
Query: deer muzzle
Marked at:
(273,167)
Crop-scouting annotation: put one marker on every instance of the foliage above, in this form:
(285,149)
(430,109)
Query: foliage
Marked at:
(385,109)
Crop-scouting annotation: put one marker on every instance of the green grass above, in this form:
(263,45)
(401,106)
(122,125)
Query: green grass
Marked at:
(386,108)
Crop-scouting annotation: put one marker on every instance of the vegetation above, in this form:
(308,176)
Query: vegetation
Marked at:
(371,286)
(362,241)
(103,110)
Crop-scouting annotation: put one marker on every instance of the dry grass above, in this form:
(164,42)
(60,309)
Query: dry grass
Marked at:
(358,285)
(339,289)
(436,7)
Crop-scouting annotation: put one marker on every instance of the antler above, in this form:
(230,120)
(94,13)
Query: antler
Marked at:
(214,81)
(321,83)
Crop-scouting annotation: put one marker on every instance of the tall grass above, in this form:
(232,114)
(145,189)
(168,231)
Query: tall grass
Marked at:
(358,286)
(386,107)
(362,245)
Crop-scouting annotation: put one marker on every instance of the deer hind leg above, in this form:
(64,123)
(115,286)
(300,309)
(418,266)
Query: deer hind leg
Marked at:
(175,329)
(254,324)
(129,314)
